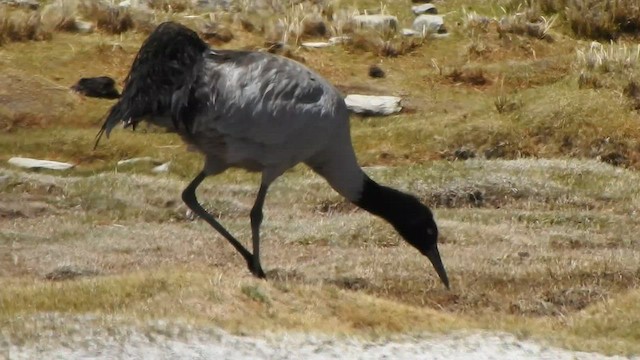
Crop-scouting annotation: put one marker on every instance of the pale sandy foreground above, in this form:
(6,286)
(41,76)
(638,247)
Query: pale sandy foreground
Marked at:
(221,345)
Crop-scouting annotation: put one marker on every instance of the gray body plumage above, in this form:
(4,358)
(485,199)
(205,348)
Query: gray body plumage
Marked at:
(259,112)
(263,113)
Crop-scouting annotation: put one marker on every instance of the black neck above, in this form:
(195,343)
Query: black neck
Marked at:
(413,220)
(392,205)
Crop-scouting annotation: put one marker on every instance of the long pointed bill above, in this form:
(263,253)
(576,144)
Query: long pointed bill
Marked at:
(434,256)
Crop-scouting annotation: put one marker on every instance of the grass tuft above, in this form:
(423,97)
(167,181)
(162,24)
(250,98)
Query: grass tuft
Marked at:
(21,25)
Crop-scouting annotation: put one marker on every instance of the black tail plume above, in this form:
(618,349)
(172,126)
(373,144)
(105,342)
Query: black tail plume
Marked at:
(163,64)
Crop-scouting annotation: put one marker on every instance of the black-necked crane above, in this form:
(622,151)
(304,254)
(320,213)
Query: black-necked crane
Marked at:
(263,113)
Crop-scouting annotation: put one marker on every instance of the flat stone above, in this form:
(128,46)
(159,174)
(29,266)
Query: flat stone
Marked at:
(84,27)
(137,160)
(316,45)
(36,163)
(161,168)
(424,9)
(373,105)
(381,22)
(339,40)
(409,32)
(428,23)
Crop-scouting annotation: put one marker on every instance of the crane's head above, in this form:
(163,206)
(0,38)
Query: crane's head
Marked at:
(419,229)
(413,220)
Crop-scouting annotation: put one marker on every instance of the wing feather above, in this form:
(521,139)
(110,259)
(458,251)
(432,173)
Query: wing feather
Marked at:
(261,97)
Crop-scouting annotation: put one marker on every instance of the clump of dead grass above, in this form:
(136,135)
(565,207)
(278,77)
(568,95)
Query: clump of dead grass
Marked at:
(612,58)
(474,76)
(389,45)
(174,6)
(111,19)
(506,103)
(298,21)
(21,25)
(529,23)
(61,15)
(632,91)
(608,19)
(610,66)
(593,19)
(474,22)
(216,30)
(522,25)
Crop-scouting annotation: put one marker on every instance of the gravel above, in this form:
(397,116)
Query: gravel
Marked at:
(221,345)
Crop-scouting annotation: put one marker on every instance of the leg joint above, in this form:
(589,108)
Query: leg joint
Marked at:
(256,215)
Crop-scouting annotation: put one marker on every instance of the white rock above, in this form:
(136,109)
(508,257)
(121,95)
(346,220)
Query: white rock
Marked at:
(161,168)
(380,22)
(137,160)
(439,36)
(339,40)
(84,27)
(428,23)
(43,164)
(424,9)
(315,45)
(410,32)
(373,105)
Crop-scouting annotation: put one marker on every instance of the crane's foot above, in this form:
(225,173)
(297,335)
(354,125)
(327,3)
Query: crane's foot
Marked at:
(256,270)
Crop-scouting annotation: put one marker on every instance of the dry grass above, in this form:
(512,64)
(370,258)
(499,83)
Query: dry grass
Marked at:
(545,246)
(21,25)
(613,66)
(171,5)
(593,19)
(547,221)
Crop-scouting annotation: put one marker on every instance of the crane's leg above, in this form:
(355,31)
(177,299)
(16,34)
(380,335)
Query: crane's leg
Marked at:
(189,198)
(256,220)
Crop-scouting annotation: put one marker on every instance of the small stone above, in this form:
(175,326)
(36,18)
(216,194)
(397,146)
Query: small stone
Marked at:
(316,45)
(43,164)
(373,105)
(380,22)
(464,154)
(409,32)
(428,23)
(339,40)
(161,168)
(523,254)
(424,9)
(137,160)
(376,72)
(84,27)
(190,215)
(98,87)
